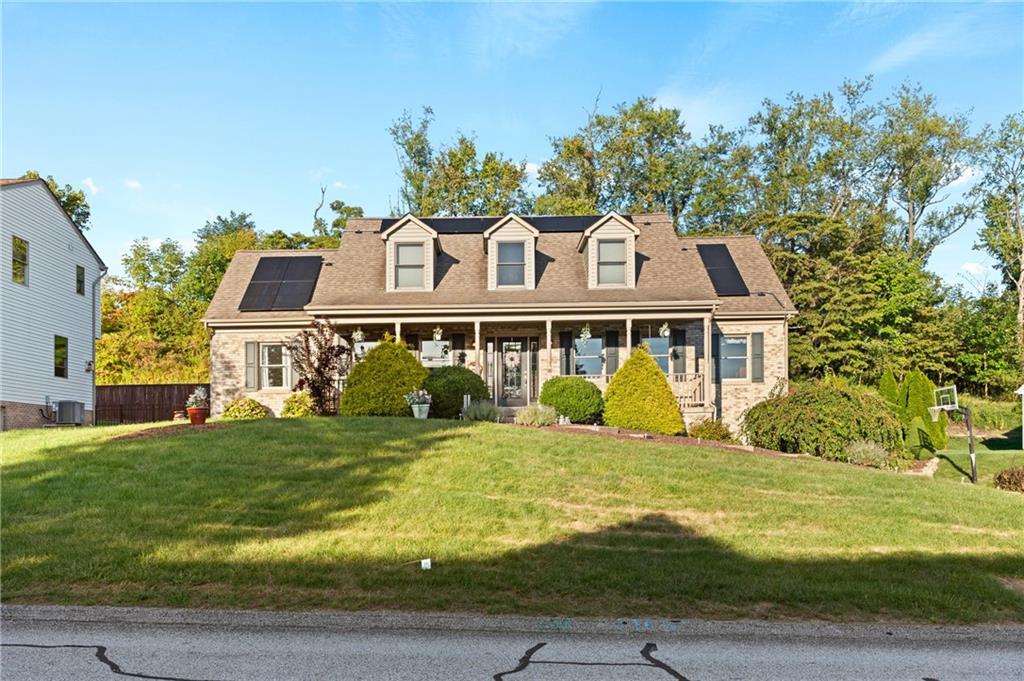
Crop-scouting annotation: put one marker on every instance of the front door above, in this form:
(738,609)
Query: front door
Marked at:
(512,372)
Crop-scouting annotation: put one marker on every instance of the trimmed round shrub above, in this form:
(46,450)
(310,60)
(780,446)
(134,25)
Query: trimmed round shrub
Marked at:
(378,383)
(574,397)
(710,429)
(298,404)
(482,410)
(639,397)
(537,415)
(447,385)
(245,408)
(822,419)
(1010,479)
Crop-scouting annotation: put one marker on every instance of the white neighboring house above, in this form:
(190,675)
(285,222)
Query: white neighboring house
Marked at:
(49,310)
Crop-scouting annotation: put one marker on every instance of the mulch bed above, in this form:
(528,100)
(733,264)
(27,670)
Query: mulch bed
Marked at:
(168,431)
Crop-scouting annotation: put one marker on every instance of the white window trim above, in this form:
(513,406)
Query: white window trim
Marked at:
(286,359)
(735,381)
(497,263)
(625,262)
(425,245)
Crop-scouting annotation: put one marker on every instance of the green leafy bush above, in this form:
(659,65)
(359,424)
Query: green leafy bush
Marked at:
(245,408)
(919,441)
(639,397)
(537,415)
(916,394)
(710,429)
(1011,479)
(822,419)
(378,384)
(299,404)
(447,385)
(482,410)
(867,453)
(574,397)
(889,387)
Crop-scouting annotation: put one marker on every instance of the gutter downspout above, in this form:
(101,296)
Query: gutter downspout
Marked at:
(92,334)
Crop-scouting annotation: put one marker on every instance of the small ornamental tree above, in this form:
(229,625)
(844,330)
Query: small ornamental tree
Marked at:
(640,398)
(378,383)
(916,394)
(321,362)
(889,387)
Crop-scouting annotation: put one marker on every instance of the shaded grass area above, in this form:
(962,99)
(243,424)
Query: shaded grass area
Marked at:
(328,513)
(993,454)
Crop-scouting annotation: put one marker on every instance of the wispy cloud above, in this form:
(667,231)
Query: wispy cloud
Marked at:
(338,184)
(91,186)
(968,177)
(975,268)
(532,168)
(318,174)
(133,184)
(499,31)
(700,108)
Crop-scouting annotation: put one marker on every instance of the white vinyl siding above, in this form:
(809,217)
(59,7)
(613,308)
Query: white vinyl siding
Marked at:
(32,314)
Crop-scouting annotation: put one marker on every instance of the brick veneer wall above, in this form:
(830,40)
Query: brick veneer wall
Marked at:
(23,415)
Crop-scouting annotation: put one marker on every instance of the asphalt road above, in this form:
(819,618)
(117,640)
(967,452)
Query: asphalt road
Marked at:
(86,644)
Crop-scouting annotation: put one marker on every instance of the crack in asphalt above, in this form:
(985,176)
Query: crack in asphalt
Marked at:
(527,659)
(101,654)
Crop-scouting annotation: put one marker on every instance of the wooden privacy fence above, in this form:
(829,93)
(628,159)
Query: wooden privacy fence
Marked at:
(141,403)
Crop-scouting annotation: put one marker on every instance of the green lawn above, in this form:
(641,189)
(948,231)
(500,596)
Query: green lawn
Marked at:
(328,513)
(992,454)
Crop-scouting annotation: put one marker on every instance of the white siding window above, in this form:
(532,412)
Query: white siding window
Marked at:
(19,260)
(611,262)
(60,356)
(275,366)
(511,263)
(409,266)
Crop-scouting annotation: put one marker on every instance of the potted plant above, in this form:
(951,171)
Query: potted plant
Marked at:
(419,401)
(198,406)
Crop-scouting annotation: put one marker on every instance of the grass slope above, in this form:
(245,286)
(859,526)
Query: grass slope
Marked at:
(326,513)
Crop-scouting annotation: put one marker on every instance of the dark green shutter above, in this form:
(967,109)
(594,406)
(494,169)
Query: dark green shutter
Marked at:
(252,366)
(459,348)
(757,357)
(611,352)
(678,351)
(565,351)
(413,341)
(635,340)
(715,368)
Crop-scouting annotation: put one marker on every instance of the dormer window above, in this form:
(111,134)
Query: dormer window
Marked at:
(511,263)
(611,262)
(409,266)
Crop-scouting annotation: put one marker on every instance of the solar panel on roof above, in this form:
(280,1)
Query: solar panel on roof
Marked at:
(281,283)
(478,225)
(722,270)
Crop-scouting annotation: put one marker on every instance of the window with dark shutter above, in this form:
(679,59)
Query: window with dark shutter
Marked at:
(678,351)
(252,366)
(611,352)
(757,357)
(565,352)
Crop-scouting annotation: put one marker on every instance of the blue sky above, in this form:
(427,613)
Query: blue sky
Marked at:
(170,114)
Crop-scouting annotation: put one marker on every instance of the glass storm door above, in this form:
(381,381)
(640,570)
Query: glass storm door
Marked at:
(512,375)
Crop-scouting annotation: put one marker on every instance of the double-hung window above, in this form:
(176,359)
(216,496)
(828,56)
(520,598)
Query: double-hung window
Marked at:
(19,260)
(588,356)
(409,267)
(275,366)
(732,357)
(659,347)
(611,262)
(79,280)
(511,263)
(60,356)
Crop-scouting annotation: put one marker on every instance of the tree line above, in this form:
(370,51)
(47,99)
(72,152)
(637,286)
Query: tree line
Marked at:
(849,192)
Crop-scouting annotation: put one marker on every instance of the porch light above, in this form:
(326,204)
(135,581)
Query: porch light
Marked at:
(664,331)
(358,336)
(585,333)
(438,333)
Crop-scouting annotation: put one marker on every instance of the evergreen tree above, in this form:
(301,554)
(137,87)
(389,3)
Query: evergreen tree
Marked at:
(889,388)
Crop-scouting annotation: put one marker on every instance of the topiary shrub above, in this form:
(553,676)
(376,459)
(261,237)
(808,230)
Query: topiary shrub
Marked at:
(574,397)
(889,387)
(639,397)
(482,410)
(245,408)
(822,419)
(378,384)
(1011,480)
(919,442)
(537,415)
(865,453)
(447,385)
(299,404)
(710,429)
(916,394)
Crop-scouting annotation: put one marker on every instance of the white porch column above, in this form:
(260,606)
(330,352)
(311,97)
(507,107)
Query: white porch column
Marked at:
(707,360)
(398,331)
(547,329)
(629,337)
(476,346)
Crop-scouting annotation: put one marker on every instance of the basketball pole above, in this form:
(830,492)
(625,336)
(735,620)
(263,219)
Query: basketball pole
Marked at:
(966,411)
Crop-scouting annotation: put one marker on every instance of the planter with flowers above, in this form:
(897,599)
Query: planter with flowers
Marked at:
(198,406)
(419,402)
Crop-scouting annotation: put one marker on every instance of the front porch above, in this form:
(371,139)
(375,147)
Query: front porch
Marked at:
(516,357)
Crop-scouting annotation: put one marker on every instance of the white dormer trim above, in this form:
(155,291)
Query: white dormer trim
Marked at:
(410,230)
(512,229)
(611,215)
(511,217)
(405,220)
(611,227)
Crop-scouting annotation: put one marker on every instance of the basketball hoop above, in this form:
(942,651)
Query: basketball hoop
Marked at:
(935,411)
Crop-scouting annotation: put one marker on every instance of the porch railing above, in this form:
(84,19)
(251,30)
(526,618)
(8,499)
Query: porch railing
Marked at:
(689,389)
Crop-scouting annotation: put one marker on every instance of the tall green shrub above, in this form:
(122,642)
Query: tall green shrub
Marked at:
(574,397)
(377,384)
(447,385)
(919,438)
(639,397)
(889,387)
(916,394)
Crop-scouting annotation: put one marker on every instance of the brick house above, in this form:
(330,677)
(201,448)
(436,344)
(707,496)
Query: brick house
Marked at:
(517,299)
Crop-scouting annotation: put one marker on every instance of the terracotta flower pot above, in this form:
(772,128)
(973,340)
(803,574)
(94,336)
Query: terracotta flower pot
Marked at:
(197,415)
